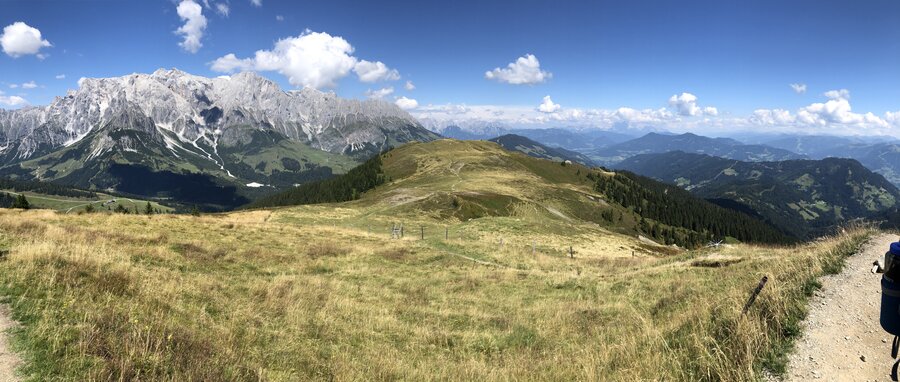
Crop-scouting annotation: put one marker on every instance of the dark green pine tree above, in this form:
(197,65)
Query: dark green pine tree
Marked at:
(21,202)
(148,209)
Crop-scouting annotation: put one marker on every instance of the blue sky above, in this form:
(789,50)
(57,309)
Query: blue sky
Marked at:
(597,56)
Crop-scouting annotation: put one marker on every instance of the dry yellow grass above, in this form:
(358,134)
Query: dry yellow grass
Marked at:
(309,293)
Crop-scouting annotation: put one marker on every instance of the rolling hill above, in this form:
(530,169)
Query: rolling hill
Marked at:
(466,180)
(531,148)
(881,157)
(802,197)
(654,143)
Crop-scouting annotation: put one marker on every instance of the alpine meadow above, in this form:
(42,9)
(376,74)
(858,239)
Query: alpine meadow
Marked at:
(264,190)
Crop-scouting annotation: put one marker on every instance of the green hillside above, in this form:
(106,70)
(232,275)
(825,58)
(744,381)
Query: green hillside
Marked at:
(802,197)
(465,180)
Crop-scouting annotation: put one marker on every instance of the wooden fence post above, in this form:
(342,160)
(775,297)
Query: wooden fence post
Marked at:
(423,232)
(755,293)
(571,253)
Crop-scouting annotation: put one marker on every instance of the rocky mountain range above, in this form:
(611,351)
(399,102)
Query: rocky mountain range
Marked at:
(157,134)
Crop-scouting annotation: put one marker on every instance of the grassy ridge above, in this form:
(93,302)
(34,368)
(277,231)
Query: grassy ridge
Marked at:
(310,293)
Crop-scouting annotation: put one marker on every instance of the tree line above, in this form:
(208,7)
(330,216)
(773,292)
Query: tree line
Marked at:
(342,188)
(43,188)
(674,216)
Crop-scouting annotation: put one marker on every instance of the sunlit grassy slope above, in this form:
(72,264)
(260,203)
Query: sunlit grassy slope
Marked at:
(323,292)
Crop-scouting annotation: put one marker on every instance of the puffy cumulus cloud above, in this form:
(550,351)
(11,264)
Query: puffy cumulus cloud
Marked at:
(686,104)
(279,18)
(409,86)
(194,25)
(12,101)
(380,93)
(836,110)
(547,106)
(29,85)
(223,9)
(312,59)
(13,86)
(774,117)
(798,88)
(835,116)
(406,103)
(60,76)
(20,39)
(437,117)
(230,63)
(838,94)
(526,70)
(832,116)
(369,71)
(256,3)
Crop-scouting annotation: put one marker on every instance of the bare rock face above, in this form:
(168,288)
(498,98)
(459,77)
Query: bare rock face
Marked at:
(212,111)
(197,140)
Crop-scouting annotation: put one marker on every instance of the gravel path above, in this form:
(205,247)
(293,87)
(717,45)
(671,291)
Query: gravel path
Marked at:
(842,339)
(8,360)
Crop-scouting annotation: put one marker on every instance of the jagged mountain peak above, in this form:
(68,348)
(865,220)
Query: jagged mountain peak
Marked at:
(173,120)
(192,106)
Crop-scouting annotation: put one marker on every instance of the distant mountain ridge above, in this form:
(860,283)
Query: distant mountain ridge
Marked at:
(583,140)
(529,147)
(881,157)
(175,135)
(654,143)
(802,197)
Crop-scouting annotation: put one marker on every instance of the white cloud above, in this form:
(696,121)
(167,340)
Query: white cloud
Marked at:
(230,63)
(380,93)
(368,71)
(194,25)
(547,106)
(312,59)
(407,103)
(29,85)
(440,116)
(838,94)
(893,117)
(257,3)
(19,39)
(12,101)
(60,76)
(774,117)
(836,110)
(686,104)
(833,116)
(223,9)
(409,86)
(798,88)
(279,18)
(526,70)
(13,86)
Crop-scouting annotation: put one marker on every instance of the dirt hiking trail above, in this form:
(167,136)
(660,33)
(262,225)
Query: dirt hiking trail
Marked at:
(842,339)
(9,361)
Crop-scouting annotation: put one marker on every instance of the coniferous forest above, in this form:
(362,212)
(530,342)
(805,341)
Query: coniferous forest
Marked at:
(341,188)
(668,205)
